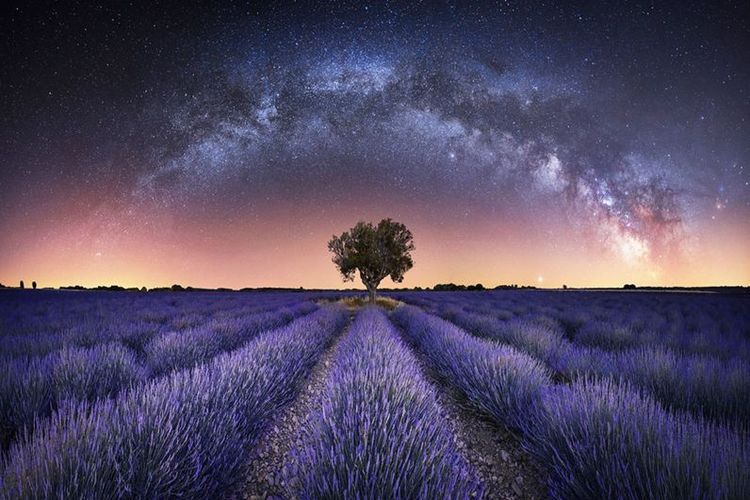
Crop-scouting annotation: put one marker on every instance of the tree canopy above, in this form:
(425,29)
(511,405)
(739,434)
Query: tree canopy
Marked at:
(375,251)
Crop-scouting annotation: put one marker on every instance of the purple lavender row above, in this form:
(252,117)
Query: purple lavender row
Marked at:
(598,439)
(177,350)
(602,439)
(85,319)
(379,432)
(185,435)
(53,311)
(32,388)
(500,380)
(716,325)
(704,385)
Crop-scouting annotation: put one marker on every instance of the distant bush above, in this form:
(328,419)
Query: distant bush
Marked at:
(448,287)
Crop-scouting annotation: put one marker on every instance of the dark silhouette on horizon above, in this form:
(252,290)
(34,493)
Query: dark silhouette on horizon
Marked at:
(376,252)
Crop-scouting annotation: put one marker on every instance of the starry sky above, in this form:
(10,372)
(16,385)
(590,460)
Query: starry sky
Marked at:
(540,143)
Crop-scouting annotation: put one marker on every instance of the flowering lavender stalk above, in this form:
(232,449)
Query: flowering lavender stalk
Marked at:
(185,435)
(379,433)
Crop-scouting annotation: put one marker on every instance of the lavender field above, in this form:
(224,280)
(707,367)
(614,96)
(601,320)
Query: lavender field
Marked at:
(506,394)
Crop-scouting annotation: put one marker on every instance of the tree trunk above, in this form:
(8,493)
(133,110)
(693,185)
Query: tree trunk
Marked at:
(371,292)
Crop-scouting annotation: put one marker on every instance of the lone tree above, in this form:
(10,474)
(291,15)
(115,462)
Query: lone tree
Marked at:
(33,285)
(374,251)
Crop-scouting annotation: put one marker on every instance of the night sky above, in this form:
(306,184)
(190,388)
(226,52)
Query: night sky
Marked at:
(549,143)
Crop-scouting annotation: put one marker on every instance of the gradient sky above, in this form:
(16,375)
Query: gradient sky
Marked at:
(550,143)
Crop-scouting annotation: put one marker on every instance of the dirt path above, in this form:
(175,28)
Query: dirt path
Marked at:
(264,478)
(506,470)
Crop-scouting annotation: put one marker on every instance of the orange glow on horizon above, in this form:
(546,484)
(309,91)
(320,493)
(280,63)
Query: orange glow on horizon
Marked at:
(287,248)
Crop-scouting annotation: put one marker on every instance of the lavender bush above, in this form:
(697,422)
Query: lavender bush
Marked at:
(542,342)
(607,335)
(606,440)
(32,388)
(25,392)
(498,379)
(378,433)
(172,350)
(47,321)
(185,435)
(89,374)
(706,386)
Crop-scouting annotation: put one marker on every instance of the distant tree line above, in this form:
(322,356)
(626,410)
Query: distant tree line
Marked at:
(179,288)
(452,287)
(438,287)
